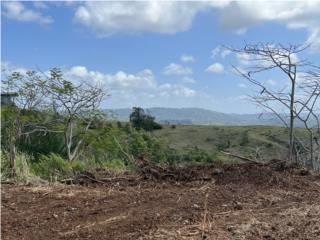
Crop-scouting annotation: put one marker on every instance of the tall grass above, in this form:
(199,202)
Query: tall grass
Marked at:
(23,169)
(53,166)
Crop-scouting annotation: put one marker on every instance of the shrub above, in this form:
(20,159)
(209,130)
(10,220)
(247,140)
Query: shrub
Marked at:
(223,144)
(23,170)
(244,139)
(52,165)
(77,166)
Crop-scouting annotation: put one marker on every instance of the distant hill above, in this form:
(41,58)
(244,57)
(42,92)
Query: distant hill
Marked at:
(188,116)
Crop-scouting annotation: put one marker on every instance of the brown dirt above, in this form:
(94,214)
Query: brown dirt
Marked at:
(208,202)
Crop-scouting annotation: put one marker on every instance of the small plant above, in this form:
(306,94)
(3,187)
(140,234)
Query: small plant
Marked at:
(52,165)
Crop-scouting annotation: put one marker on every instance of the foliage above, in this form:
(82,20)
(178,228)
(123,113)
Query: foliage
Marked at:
(52,165)
(189,155)
(23,169)
(79,103)
(244,139)
(140,120)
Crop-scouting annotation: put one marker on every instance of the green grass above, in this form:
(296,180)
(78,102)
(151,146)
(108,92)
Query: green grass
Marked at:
(268,141)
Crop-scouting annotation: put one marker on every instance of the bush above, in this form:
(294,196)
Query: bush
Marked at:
(140,120)
(52,165)
(189,156)
(223,144)
(244,139)
(23,170)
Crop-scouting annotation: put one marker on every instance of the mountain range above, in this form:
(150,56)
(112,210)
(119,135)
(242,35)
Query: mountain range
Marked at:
(199,116)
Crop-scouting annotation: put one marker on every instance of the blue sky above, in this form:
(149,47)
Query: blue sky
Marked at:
(151,54)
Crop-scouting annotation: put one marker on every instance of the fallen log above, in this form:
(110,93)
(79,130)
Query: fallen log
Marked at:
(241,157)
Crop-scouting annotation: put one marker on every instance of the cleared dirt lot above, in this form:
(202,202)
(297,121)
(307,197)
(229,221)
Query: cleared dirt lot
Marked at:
(234,202)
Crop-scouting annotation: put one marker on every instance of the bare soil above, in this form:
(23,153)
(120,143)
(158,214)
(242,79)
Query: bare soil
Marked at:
(247,201)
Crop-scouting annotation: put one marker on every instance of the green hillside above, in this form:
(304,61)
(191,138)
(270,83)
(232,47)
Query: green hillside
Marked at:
(267,142)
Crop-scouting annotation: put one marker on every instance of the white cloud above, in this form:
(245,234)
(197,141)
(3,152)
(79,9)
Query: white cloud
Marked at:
(242,85)
(225,53)
(271,82)
(176,69)
(188,80)
(243,58)
(240,15)
(8,67)
(215,52)
(177,90)
(107,18)
(215,68)
(220,51)
(124,85)
(187,58)
(314,40)
(79,71)
(17,11)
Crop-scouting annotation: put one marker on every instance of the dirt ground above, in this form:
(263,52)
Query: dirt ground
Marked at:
(234,202)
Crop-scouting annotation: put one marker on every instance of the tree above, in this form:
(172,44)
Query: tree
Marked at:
(22,118)
(140,120)
(309,114)
(78,103)
(288,100)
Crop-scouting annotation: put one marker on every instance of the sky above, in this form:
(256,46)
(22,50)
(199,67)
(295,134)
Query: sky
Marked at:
(156,54)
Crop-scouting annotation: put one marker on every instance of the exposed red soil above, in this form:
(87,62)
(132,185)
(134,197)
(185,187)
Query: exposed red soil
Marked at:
(235,202)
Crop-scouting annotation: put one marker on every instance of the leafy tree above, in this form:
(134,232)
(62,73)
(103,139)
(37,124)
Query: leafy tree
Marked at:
(140,120)
(78,103)
(22,119)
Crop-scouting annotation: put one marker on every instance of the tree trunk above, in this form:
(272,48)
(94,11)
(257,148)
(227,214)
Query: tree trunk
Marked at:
(291,126)
(72,147)
(12,158)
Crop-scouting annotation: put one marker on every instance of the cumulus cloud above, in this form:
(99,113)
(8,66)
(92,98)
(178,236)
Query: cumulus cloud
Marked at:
(129,89)
(187,58)
(240,15)
(215,68)
(132,89)
(17,11)
(220,52)
(176,69)
(177,90)
(107,18)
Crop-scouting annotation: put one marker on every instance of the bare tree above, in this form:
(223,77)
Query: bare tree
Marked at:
(282,102)
(78,103)
(308,112)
